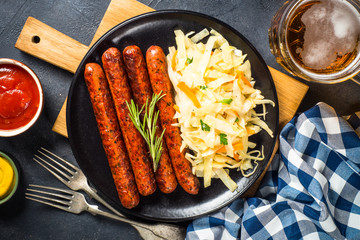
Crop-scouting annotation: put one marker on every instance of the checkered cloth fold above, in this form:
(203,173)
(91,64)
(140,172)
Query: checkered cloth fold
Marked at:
(311,190)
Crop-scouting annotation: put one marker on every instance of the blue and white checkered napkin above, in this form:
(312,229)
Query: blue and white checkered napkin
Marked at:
(311,190)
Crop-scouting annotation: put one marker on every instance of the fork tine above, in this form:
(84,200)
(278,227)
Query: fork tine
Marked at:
(70,192)
(57,162)
(54,202)
(69,196)
(51,171)
(63,160)
(47,203)
(65,203)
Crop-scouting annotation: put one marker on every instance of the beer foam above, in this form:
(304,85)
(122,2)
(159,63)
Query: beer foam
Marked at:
(343,23)
(317,55)
(332,29)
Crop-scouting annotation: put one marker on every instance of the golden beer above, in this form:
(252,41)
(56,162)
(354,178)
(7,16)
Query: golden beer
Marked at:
(318,40)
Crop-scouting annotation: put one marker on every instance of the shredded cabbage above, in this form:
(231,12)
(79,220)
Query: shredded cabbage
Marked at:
(215,100)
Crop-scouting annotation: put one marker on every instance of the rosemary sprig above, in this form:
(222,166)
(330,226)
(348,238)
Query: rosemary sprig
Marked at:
(147,127)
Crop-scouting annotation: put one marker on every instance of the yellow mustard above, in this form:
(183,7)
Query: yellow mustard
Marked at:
(6,178)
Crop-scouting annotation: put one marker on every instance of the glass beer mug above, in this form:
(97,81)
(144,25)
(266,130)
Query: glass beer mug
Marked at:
(318,40)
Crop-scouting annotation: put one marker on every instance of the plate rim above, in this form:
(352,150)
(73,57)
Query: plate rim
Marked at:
(182,12)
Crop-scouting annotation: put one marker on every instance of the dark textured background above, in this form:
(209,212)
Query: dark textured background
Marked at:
(79,19)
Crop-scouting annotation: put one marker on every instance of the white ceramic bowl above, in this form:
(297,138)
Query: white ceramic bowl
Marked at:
(16,131)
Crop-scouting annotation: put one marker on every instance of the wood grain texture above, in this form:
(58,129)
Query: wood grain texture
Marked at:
(60,123)
(50,45)
(290,94)
(117,12)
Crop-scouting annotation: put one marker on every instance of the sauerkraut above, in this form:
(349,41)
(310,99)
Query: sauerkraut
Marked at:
(215,100)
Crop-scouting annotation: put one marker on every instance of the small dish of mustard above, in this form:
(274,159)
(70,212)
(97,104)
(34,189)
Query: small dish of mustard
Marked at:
(9,178)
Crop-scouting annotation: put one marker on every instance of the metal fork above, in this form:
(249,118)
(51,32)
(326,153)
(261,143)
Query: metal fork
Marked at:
(76,180)
(75,202)
(73,178)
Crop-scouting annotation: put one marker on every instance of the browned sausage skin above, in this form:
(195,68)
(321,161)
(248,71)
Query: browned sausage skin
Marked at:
(111,135)
(140,84)
(135,144)
(157,67)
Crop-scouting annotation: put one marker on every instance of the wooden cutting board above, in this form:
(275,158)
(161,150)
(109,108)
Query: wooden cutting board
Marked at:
(50,45)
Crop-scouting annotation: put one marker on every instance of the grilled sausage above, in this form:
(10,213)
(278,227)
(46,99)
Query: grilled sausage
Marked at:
(160,81)
(111,135)
(140,84)
(135,143)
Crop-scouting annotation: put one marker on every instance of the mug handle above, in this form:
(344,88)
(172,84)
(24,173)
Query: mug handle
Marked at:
(356,79)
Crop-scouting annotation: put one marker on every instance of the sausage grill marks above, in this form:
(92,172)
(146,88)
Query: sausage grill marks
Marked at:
(135,144)
(160,82)
(141,88)
(110,134)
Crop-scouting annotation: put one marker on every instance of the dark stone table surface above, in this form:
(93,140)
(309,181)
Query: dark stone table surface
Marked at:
(79,19)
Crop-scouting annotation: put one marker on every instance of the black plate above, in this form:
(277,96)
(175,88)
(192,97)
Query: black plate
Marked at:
(156,28)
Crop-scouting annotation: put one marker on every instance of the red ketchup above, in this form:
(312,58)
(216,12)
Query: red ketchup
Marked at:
(19,97)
